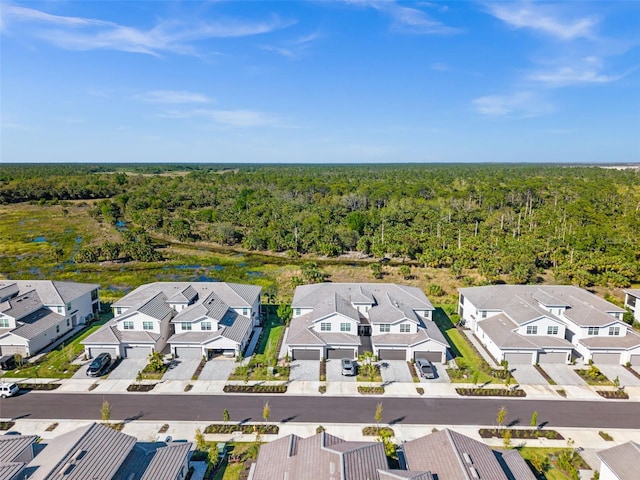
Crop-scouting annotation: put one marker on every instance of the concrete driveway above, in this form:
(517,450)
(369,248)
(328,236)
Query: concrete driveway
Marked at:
(627,379)
(395,371)
(304,371)
(563,374)
(218,369)
(527,375)
(441,374)
(128,369)
(334,372)
(181,369)
(82,371)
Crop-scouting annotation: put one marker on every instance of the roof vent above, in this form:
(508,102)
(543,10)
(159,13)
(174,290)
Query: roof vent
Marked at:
(474,473)
(467,459)
(78,455)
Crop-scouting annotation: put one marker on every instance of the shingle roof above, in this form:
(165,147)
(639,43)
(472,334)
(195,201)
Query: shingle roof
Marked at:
(22,305)
(107,334)
(37,322)
(623,460)
(187,295)
(154,461)
(52,292)
(8,290)
(10,470)
(500,329)
(90,452)
(635,292)
(155,307)
(629,341)
(235,326)
(12,446)
(404,475)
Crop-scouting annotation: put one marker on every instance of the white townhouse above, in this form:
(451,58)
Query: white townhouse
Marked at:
(342,320)
(187,319)
(632,302)
(528,324)
(35,313)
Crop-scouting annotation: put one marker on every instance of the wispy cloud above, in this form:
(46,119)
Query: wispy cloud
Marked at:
(407,19)
(543,19)
(440,67)
(586,72)
(77,33)
(523,104)
(294,48)
(172,96)
(232,118)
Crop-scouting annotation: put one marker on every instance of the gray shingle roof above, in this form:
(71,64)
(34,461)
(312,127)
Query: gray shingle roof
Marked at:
(154,461)
(10,470)
(235,326)
(107,334)
(37,322)
(155,307)
(22,305)
(8,290)
(52,292)
(629,341)
(404,475)
(635,292)
(12,446)
(500,329)
(623,460)
(91,452)
(187,295)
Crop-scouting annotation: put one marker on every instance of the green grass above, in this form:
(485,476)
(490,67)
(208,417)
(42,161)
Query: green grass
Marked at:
(467,359)
(57,363)
(535,456)
(597,379)
(231,471)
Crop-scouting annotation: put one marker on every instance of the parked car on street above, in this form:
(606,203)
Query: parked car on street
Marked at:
(8,389)
(100,365)
(425,368)
(348,367)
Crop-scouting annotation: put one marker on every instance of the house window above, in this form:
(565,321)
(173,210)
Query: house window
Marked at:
(185,326)
(532,330)
(68,306)
(68,321)
(484,314)
(128,325)
(94,295)
(325,327)
(614,330)
(4,323)
(385,327)
(405,328)
(245,312)
(345,327)
(60,309)
(147,325)
(552,330)
(593,331)
(205,326)
(297,311)
(57,328)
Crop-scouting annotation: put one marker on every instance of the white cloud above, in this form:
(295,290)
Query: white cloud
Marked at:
(172,96)
(407,19)
(232,118)
(295,48)
(519,104)
(541,18)
(586,72)
(76,33)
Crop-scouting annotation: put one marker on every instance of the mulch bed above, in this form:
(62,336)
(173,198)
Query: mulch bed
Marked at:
(414,374)
(420,390)
(323,371)
(631,370)
(198,371)
(255,389)
(244,428)
(51,427)
(546,376)
(370,390)
(520,434)
(140,387)
(6,425)
(372,431)
(188,387)
(39,386)
(164,428)
(613,394)
(490,392)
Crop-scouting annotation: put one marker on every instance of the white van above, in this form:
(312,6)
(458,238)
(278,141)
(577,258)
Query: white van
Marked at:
(8,389)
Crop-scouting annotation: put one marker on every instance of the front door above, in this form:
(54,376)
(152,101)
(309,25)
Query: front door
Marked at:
(364,330)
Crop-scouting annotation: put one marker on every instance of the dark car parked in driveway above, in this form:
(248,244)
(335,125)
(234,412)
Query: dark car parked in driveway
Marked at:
(425,368)
(100,365)
(8,362)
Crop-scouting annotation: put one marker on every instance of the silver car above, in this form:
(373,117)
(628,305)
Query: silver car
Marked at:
(425,368)
(348,367)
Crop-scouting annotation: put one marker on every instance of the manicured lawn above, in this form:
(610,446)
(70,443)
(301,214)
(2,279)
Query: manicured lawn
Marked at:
(467,359)
(57,364)
(594,377)
(231,471)
(536,456)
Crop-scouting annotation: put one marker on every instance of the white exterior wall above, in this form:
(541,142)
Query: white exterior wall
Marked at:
(487,342)
(543,324)
(196,326)
(223,343)
(138,318)
(606,473)
(255,312)
(394,328)
(48,336)
(634,308)
(469,313)
(335,320)
(83,305)
(303,311)
(626,356)
(429,345)
(603,331)
(11,339)
(363,309)
(12,321)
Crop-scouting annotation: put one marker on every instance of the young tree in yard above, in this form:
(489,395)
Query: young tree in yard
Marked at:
(384,436)
(18,359)
(200,442)
(506,438)
(139,376)
(502,415)
(475,377)
(105,411)
(156,361)
(376,270)
(225,415)
(405,271)
(534,419)
(378,416)
(266,411)
(284,312)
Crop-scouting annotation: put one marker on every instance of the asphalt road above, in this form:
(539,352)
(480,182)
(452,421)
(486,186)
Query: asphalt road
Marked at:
(321,409)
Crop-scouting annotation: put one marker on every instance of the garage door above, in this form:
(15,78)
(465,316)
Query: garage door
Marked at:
(606,358)
(300,354)
(137,352)
(95,351)
(519,358)
(431,356)
(635,360)
(340,353)
(553,357)
(13,349)
(189,352)
(388,354)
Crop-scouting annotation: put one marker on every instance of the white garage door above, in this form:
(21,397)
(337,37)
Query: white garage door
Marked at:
(189,352)
(137,352)
(552,357)
(606,358)
(95,351)
(518,358)
(13,349)
(635,360)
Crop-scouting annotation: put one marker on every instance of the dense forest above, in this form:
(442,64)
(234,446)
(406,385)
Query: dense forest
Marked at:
(507,222)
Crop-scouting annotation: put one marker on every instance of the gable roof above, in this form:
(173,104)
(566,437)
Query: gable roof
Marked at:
(623,460)
(12,446)
(51,292)
(154,461)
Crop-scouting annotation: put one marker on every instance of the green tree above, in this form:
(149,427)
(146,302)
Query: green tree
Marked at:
(506,438)
(201,444)
(266,411)
(105,411)
(501,416)
(156,361)
(284,312)
(225,415)
(377,416)
(405,271)
(376,270)
(534,419)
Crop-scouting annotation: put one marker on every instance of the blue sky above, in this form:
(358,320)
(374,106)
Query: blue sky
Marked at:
(354,81)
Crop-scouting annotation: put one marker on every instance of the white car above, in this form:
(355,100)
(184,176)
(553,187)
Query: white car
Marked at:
(8,389)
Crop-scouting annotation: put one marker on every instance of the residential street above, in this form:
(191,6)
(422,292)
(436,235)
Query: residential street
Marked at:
(322,409)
